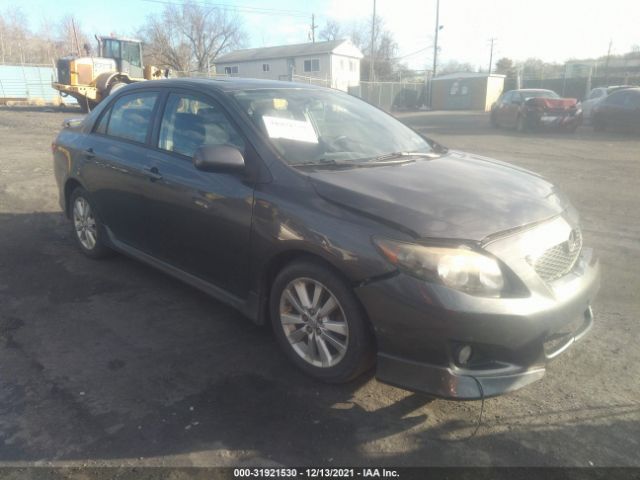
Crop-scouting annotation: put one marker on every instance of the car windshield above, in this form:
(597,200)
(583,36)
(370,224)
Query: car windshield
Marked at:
(540,94)
(311,127)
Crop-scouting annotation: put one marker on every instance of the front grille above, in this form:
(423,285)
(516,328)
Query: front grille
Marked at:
(558,260)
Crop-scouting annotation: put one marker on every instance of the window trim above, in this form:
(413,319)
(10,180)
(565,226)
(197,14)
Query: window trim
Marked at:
(109,108)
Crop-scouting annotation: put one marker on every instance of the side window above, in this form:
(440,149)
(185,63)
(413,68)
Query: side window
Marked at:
(312,65)
(189,122)
(130,116)
(507,97)
(131,53)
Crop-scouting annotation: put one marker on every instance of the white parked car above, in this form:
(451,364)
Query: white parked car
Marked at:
(595,96)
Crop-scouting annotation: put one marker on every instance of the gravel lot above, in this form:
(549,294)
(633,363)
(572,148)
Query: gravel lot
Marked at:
(113,363)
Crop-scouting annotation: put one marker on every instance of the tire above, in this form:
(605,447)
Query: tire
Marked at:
(114,87)
(87,229)
(303,332)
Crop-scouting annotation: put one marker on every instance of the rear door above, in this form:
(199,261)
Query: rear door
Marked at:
(201,220)
(117,171)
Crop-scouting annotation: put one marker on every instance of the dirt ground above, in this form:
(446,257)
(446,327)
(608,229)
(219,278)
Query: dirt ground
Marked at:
(113,363)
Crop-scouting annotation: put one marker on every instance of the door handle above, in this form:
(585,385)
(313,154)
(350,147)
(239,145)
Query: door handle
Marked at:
(153,173)
(89,153)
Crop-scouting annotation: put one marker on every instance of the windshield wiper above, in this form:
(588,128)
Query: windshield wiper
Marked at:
(325,162)
(400,157)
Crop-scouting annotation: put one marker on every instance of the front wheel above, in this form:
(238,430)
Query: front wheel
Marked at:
(319,323)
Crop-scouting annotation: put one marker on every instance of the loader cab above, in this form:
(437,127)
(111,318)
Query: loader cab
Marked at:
(126,52)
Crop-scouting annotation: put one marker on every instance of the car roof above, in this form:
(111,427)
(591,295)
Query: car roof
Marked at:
(533,90)
(624,90)
(229,84)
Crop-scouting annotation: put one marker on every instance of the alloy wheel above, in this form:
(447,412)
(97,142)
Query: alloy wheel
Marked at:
(314,322)
(85,223)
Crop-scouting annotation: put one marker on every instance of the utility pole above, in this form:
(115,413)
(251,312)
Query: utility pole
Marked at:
(435,42)
(491,55)
(313,28)
(373,39)
(606,65)
(75,35)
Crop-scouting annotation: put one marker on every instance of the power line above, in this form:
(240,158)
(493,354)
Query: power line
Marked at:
(238,8)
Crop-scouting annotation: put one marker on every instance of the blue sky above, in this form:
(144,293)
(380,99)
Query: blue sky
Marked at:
(549,29)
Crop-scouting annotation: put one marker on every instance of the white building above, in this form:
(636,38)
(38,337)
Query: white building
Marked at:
(333,64)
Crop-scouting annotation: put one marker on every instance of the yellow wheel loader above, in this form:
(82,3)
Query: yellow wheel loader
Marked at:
(90,79)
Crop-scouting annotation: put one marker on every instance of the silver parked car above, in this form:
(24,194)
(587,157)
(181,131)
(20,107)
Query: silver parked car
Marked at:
(596,95)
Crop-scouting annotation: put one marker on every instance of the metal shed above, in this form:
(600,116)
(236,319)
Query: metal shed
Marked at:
(466,91)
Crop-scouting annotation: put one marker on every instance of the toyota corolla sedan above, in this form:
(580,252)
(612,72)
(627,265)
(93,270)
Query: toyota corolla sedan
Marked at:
(358,240)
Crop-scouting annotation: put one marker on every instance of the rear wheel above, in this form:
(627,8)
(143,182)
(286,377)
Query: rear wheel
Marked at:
(319,323)
(87,229)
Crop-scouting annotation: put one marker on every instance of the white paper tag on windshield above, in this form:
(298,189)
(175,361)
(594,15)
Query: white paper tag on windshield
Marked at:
(289,129)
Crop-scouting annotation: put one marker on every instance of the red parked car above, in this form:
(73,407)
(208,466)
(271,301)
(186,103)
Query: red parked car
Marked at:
(529,109)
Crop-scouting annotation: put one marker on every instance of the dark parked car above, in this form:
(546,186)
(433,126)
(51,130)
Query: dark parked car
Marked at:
(597,95)
(357,238)
(620,110)
(530,109)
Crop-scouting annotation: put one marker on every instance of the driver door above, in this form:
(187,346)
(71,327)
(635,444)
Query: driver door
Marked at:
(201,220)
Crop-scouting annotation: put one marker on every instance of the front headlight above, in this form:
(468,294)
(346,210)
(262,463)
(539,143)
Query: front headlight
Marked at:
(458,268)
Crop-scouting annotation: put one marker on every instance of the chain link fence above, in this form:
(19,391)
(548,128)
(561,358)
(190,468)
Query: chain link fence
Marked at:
(408,95)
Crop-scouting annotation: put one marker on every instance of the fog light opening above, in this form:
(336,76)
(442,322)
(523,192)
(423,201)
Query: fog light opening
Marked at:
(464,354)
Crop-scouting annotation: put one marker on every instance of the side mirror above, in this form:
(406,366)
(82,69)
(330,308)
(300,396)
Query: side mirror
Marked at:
(218,158)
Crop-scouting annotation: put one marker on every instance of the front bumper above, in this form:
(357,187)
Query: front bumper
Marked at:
(77,91)
(420,328)
(554,120)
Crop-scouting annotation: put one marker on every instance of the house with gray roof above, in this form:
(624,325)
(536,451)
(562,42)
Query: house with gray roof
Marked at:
(333,64)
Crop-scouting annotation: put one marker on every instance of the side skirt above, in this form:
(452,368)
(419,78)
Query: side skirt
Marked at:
(248,308)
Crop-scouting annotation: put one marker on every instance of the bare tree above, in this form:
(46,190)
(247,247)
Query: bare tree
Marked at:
(189,37)
(384,49)
(332,31)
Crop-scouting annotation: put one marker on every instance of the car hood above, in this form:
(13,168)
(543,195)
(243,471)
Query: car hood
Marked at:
(456,196)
